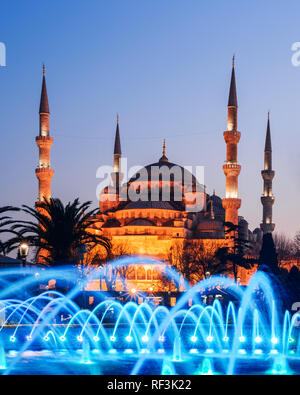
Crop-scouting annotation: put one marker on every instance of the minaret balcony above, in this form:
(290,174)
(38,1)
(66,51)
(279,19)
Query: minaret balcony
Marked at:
(232,203)
(232,169)
(232,136)
(268,175)
(267,200)
(44,141)
(44,173)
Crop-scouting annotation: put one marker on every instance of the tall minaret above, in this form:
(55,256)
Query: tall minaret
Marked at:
(44,173)
(110,196)
(268,175)
(117,174)
(232,169)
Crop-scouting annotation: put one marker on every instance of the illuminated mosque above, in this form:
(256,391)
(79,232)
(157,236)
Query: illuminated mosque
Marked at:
(147,227)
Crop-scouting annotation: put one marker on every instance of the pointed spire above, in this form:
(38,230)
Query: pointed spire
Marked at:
(117,149)
(44,105)
(268,146)
(164,158)
(212,212)
(232,102)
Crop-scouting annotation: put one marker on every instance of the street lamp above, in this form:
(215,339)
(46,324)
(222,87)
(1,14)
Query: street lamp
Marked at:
(23,252)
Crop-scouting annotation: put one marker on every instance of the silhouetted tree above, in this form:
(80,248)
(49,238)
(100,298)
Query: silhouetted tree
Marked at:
(58,231)
(297,244)
(268,259)
(284,246)
(234,256)
(5,220)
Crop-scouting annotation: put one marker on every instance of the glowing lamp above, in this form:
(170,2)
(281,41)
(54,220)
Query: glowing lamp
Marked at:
(129,339)
(12,339)
(62,339)
(23,251)
(96,338)
(113,338)
(210,339)
(258,340)
(145,339)
(80,339)
(194,339)
(274,340)
(242,339)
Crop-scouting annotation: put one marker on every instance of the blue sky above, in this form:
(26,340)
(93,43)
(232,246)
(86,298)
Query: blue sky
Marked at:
(164,66)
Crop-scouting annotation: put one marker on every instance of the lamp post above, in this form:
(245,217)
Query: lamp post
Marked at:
(23,252)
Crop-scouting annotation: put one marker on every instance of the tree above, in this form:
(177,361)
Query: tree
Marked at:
(195,261)
(108,272)
(120,250)
(58,232)
(268,259)
(5,220)
(297,244)
(234,256)
(180,260)
(284,246)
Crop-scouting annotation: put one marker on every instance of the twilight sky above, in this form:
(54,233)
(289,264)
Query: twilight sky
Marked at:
(164,66)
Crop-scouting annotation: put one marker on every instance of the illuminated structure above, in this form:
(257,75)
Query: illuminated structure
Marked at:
(44,141)
(159,227)
(231,168)
(268,175)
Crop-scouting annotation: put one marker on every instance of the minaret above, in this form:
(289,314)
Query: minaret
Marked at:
(117,174)
(110,196)
(117,149)
(268,175)
(232,169)
(44,173)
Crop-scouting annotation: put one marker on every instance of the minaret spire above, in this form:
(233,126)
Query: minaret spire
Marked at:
(232,169)
(117,149)
(110,196)
(44,104)
(164,158)
(232,101)
(268,175)
(44,142)
(117,155)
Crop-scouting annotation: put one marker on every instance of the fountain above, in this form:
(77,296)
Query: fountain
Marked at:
(251,335)
(3,365)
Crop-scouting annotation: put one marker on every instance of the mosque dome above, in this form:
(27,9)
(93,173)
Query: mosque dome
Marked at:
(164,182)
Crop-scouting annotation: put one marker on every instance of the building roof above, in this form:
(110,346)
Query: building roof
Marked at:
(161,205)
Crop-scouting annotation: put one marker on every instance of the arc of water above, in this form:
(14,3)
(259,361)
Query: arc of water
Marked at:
(32,301)
(230,310)
(138,312)
(126,314)
(159,309)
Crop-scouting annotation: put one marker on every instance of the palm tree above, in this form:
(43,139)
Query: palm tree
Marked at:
(59,232)
(4,221)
